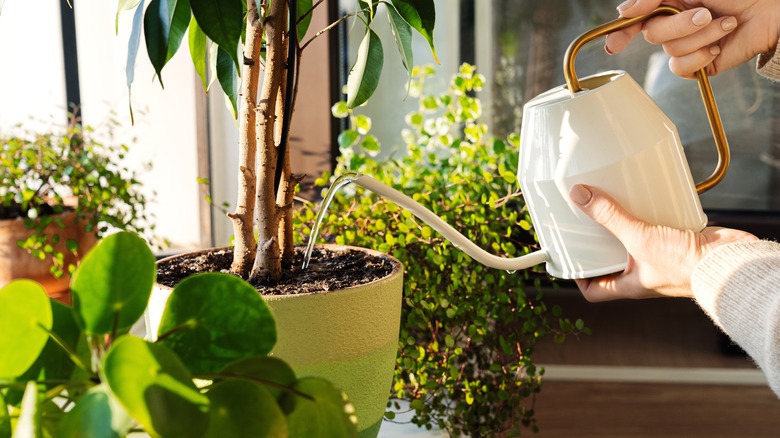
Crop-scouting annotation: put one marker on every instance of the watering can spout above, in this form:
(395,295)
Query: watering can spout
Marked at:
(449,233)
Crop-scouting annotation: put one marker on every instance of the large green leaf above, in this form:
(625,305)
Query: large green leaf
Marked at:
(228,79)
(244,409)
(364,75)
(199,49)
(96,415)
(156,388)
(222,21)
(263,369)
(215,319)
(111,286)
(54,364)
(326,413)
(132,53)
(25,317)
(165,23)
(403,39)
(421,15)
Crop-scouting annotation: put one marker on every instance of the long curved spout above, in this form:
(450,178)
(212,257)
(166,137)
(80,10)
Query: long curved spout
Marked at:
(449,233)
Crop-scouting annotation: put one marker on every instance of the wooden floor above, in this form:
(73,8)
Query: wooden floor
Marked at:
(650,359)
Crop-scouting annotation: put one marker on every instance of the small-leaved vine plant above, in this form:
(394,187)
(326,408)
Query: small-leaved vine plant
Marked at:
(468,332)
(77,168)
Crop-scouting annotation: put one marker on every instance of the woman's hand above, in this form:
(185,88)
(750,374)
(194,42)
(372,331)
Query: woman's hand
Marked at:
(716,34)
(660,259)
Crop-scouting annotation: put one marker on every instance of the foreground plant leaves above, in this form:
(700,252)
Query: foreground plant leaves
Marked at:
(111,286)
(29,423)
(208,330)
(324,413)
(26,318)
(95,415)
(155,388)
(265,369)
(235,406)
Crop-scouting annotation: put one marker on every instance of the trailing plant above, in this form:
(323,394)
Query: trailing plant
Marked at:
(71,168)
(468,333)
(76,371)
(270,37)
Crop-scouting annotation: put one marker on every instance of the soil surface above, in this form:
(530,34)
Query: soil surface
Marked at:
(329,269)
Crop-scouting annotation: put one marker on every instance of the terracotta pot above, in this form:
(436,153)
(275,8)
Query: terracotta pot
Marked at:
(17,263)
(347,336)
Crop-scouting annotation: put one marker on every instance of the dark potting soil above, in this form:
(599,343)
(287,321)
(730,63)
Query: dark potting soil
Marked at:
(328,270)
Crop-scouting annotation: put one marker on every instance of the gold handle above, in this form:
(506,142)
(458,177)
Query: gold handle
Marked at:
(721,143)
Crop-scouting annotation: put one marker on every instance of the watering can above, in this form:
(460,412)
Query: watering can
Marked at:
(604,131)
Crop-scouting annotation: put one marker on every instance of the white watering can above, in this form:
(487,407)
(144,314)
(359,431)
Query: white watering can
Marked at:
(606,132)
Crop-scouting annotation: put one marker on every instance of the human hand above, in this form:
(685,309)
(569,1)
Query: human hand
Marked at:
(716,34)
(661,260)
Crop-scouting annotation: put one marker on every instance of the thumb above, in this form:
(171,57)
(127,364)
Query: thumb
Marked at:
(603,209)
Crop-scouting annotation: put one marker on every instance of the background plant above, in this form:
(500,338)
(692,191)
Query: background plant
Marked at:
(468,332)
(75,167)
(76,372)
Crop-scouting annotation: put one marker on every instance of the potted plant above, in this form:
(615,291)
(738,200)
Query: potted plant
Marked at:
(76,371)
(468,333)
(261,36)
(61,189)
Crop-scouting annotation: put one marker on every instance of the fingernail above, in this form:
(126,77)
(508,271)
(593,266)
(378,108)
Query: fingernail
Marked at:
(714,50)
(701,17)
(625,5)
(580,194)
(728,24)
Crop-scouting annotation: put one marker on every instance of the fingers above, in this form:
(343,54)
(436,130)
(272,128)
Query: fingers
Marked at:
(607,212)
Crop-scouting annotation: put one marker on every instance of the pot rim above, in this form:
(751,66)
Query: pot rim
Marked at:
(397,265)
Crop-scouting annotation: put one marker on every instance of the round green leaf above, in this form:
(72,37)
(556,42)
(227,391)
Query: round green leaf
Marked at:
(25,318)
(96,414)
(243,409)
(326,413)
(111,286)
(155,388)
(215,319)
(263,369)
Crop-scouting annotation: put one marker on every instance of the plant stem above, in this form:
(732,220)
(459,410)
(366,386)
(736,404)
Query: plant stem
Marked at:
(68,349)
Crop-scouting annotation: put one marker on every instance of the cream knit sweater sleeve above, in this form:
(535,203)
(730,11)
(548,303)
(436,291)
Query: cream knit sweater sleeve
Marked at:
(738,286)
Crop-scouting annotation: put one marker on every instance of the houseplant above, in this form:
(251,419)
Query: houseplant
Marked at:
(76,371)
(270,35)
(468,333)
(60,189)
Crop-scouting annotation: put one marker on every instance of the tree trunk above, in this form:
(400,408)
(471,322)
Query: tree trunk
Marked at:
(267,264)
(243,217)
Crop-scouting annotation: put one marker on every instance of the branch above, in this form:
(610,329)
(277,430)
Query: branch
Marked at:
(330,27)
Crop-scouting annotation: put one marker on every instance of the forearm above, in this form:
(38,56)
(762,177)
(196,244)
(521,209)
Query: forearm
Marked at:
(738,286)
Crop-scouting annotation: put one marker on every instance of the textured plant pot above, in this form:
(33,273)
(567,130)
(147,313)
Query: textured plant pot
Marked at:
(16,263)
(347,336)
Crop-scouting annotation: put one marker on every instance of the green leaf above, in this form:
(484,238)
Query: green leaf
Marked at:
(209,331)
(222,21)
(198,43)
(402,33)
(243,409)
(111,286)
(123,5)
(155,387)
(303,7)
(5,417)
(421,15)
(165,23)
(268,369)
(364,74)
(26,317)
(348,138)
(53,364)
(340,110)
(97,414)
(29,423)
(326,414)
(228,79)
(132,52)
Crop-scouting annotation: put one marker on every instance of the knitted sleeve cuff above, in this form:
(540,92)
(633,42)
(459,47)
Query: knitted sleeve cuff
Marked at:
(769,64)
